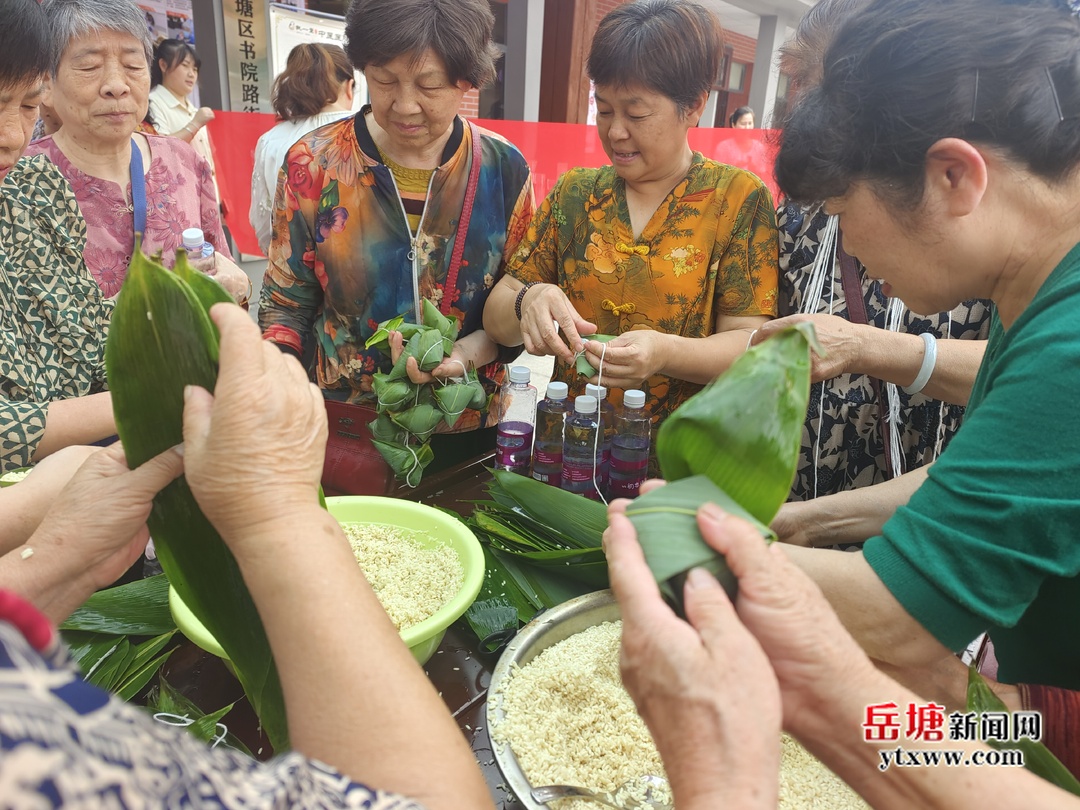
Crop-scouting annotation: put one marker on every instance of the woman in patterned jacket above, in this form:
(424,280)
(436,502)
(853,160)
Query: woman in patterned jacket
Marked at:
(54,316)
(673,253)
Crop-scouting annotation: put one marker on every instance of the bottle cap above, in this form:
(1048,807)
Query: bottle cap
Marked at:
(193,239)
(557,390)
(585,404)
(520,374)
(598,391)
(634,398)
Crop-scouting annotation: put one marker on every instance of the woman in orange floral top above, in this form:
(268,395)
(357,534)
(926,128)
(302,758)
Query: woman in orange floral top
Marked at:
(674,253)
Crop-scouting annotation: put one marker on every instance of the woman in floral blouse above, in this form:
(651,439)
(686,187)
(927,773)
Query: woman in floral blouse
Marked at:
(674,253)
(367,208)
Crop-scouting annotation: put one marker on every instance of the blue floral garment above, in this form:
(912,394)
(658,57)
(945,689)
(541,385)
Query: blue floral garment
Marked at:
(842,425)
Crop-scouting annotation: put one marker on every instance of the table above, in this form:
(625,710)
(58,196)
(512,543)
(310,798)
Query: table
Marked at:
(458,669)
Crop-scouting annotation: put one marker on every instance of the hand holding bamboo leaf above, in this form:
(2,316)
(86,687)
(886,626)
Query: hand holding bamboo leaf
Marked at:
(544,310)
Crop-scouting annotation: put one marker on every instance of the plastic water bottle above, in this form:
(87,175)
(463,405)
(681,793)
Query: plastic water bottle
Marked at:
(581,452)
(606,418)
(200,252)
(630,447)
(517,409)
(548,445)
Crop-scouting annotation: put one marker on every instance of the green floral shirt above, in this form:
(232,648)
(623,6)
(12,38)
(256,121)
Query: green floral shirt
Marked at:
(55,318)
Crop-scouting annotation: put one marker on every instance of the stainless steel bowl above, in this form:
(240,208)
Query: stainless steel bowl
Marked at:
(549,628)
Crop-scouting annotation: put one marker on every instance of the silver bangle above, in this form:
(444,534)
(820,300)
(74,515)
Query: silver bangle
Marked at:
(929,360)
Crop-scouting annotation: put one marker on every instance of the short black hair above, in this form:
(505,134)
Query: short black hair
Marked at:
(671,47)
(458,31)
(26,43)
(900,75)
(733,119)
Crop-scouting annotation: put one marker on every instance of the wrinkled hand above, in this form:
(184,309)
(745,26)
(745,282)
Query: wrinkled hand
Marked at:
(843,341)
(232,277)
(253,451)
(100,519)
(453,366)
(813,656)
(794,524)
(704,687)
(203,116)
(543,306)
(629,360)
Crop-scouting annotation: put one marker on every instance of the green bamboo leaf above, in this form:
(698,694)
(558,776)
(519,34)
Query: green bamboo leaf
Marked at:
(89,650)
(380,337)
(207,290)
(582,364)
(1037,757)
(666,524)
(168,700)
(160,341)
(419,421)
(136,679)
(578,519)
(139,608)
(110,670)
(392,395)
(453,399)
(744,430)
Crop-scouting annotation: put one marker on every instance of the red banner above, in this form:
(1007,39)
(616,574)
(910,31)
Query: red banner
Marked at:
(551,149)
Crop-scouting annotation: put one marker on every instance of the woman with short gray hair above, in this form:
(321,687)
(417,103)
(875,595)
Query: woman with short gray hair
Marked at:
(125,182)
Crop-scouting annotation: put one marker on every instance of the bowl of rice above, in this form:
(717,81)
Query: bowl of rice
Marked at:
(425,566)
(558,714)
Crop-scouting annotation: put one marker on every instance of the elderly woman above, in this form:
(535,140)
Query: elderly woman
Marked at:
(953,164)
(890,391)
(124,181)
(369,218)
(670,251)
(55,319)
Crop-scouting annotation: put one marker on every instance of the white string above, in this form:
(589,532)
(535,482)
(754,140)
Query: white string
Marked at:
(183,721)
(416,463)
(894,317)
(941,405)
(599,423)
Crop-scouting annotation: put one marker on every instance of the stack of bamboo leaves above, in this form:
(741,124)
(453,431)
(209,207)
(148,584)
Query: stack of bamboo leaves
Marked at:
(409,413)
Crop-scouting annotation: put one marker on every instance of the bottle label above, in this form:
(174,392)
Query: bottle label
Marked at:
(547,466)
(629,466)
(579,479)
(513,445)
(624,489)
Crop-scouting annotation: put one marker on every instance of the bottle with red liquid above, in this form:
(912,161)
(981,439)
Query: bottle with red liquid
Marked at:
(517,410)
(630,447)
(581,449)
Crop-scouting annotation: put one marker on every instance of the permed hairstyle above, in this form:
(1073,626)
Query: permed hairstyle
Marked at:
(311,80)
(26,43)
(733,119)
(173,52)
(69,19)
(458,31)
(901,75)
(671,47)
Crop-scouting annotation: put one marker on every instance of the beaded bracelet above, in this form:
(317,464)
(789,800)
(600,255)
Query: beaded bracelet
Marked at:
(929,360)
(521,297)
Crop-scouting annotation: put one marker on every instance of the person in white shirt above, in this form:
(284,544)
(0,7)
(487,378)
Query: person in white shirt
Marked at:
(173,75)
(316,88)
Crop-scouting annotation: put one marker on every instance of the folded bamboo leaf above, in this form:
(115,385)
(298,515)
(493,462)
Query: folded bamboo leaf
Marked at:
(384,429)
(206,289)
(1037,757)
(584,367)
(139,608)
(392,395)
(160,341)
(489,616)
(419,420)
(453,399)
(380,337)
(744,430)
(479,399)
(406,461)
(428,349)
(666,524)
(578,519)
(446,326)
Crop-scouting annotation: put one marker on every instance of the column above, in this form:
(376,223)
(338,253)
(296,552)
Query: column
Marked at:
(524,45)
(772,31)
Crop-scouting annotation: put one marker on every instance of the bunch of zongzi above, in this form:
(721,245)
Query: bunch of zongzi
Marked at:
(409,413)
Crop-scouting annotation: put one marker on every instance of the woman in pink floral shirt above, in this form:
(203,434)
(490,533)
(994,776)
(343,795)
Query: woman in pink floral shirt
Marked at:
(100,91)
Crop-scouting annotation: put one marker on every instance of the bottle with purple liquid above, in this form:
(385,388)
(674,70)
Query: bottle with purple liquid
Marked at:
(548,444)
(517,410)
(605,418)
(581,449)
(630,447)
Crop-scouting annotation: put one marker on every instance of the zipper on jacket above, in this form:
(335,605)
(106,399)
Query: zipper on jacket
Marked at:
(414,238)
